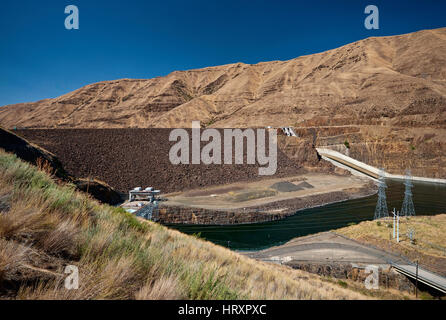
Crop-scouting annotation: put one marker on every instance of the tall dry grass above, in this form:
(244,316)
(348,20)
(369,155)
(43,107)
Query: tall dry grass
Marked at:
(12,256)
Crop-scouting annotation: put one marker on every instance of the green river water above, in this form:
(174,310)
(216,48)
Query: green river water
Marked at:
(428,198)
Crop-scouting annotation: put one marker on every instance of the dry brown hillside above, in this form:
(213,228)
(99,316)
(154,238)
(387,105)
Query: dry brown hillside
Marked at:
(397,80)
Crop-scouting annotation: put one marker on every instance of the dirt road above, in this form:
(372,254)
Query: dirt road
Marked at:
(261,193)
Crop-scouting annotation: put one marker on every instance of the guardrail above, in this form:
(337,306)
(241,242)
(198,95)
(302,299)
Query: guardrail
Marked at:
(399,262)
(420,278)
(367,169)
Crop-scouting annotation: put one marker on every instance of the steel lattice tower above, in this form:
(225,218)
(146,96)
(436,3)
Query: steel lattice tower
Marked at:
(381,210)
(408,208)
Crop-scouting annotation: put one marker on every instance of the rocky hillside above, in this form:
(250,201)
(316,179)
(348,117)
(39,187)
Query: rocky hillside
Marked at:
(398,80)
(127,158)
(48,162)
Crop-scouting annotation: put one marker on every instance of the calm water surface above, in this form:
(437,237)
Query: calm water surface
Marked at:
(429,199)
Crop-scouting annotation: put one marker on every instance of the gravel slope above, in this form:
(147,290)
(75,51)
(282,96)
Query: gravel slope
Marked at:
(126,158)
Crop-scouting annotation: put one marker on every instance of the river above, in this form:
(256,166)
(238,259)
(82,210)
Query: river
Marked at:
(428,198)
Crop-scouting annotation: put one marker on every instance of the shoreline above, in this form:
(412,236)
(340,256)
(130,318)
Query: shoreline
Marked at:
(182,215)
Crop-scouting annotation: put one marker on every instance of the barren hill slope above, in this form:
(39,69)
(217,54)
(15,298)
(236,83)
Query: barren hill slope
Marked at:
(397,80)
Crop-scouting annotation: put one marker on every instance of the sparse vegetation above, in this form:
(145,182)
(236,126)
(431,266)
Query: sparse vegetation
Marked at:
(250,195)
(427,246)
(381,293)
(425,296)
(397,149)
(351,223)
(210,122)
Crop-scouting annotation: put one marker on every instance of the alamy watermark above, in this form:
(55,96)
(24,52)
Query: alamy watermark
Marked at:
(72,20)
(212,154)
(372,280)
(72,280)
(372,20)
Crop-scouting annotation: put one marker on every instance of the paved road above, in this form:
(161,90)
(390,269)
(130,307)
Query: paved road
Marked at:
(329,247)
(325,247)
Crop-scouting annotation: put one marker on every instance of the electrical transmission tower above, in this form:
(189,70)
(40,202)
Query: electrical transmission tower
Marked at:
(408,207)
(381,210)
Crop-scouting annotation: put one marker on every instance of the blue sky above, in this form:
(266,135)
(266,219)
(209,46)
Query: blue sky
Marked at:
(40,59)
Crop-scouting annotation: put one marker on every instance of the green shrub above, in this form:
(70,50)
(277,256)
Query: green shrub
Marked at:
(351,224)
(425,296)
(212,287)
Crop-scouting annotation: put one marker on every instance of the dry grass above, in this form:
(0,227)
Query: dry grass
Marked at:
(429,246)
(430,233)
(12,256)
(45,166)
(165,288)
(121,257)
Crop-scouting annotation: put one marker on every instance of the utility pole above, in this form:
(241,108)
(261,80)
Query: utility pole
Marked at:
(394,217)
(416,282)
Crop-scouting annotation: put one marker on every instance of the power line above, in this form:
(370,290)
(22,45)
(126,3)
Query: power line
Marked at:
(278,223)
(381,210)
(265,229)
(408,208)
